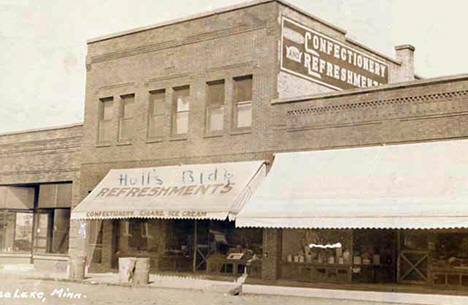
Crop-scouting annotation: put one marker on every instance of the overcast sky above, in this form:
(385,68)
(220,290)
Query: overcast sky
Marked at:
(43,43)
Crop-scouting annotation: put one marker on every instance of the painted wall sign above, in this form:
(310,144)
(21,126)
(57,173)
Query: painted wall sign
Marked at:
(324,60)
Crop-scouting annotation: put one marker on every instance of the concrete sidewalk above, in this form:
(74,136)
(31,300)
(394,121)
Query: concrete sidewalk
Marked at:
(356,295)
(238,285)
(155,280)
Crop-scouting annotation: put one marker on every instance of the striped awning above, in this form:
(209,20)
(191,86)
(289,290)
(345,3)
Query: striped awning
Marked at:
(408,186)
(199,191)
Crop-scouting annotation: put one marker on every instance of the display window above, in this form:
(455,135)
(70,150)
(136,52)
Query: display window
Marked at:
(450,259)
(185,245)
(16,231)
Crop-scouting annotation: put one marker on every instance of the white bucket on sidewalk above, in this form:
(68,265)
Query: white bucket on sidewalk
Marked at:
(126,269)
(142,268)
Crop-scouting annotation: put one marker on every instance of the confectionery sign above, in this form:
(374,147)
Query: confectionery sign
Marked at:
(324,60)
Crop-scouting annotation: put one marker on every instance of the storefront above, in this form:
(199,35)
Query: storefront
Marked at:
(34,224)
(181,217)
(376,215)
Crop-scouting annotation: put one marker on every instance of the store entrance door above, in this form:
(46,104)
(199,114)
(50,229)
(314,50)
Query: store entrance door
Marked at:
(413,257)
(42,229)
(375,261)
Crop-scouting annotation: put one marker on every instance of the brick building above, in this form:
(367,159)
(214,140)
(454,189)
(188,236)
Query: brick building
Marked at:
(39,169)
(219,91)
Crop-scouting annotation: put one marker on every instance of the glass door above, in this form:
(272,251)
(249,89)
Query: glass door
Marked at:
(42,229)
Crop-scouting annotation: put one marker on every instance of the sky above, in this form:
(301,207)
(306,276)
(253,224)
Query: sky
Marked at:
(43,43)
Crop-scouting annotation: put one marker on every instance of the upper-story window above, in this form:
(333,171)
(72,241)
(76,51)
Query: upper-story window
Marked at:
(105,120)
(214,106)
(127,113)
(242,102)
(156,113)
(181,107)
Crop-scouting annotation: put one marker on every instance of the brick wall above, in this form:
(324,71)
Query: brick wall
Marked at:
(39,156)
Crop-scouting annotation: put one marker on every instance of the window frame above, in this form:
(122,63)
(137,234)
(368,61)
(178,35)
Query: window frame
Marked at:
(161,116)
(102,120)
(123,121)
(212,106)
(175,112)
(235,103)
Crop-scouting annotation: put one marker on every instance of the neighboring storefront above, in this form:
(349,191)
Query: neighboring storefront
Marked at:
(35,224)
(38,170)
(375,215)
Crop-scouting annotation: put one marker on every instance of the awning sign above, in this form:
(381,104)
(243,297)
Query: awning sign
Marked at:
(324,60)
(188,191)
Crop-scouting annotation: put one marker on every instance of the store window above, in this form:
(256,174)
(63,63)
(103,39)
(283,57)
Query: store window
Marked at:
(15,231)
(181,108)
(156,113)
(242,102)
(137,235)
(450,259)
(318,255)
(214,106)
(53,218)
(127,113)
(105,120)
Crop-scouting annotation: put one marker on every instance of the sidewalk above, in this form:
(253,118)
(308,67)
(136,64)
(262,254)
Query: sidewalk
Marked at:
(230,285)
(355,295)
(182,281)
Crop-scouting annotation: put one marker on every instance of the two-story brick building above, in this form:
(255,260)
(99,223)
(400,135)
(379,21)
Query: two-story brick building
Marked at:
(183,120)
(198,91)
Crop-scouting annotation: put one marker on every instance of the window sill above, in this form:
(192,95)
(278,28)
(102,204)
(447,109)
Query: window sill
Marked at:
(103,145)
(15,254)
(154,140)
(214,134)
(51,256)
(178,138)
(124,143)
(241,131)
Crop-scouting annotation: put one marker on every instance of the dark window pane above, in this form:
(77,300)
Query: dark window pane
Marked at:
(215,93)
(106,109)
(128,106)
(157,102)
(243,89)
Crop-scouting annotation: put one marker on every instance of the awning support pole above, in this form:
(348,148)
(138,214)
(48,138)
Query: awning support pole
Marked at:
(195,245)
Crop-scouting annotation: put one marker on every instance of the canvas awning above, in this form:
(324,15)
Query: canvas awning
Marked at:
(201,191)
(410,186)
